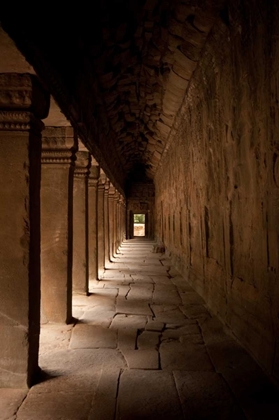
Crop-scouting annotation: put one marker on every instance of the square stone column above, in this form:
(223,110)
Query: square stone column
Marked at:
(115,226)
(80,224)
(59,145)
(101,224)
(92,219)
(106,221)
(111,221)
(22,104)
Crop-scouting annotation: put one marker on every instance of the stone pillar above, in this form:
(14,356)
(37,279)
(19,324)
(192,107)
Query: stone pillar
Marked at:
(106,221)
(111,221)
(101,227)
(22,104)
(116,197)
(80,224)
(59,144)
(92,219)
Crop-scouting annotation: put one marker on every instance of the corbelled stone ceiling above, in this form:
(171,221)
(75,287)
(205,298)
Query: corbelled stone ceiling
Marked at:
(119,70)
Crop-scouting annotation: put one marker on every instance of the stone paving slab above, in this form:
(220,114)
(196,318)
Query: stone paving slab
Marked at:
(127,338)
(193,347)
(66,362)
(188,356)
(148,395)
(148,340)
(140,293)
(205,395)
(166,295)
(86,336)
(141,359)
(154,326)
(167,313)
(10,401)
(190,328)
(97,316)
(54,337)
(122,321)
(72,405)
(104,400)
(133,306)
(164,280)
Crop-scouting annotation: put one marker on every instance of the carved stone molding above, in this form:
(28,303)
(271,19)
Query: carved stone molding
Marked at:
(23,92)
(19,121)
(102,179)
(59,145)
(94,174)
(82,164)
(111,192)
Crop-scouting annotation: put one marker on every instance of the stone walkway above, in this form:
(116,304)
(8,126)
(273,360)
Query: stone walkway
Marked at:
(144,346)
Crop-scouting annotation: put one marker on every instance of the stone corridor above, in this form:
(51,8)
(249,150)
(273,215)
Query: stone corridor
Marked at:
(142,345)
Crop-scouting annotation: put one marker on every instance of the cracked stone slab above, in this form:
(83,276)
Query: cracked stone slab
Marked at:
(10,401)
(154,326)
(55,406)
(164,280)
(142,278)
(122,321)
(148,395)
(92,336)
(167,313)
(188,356)
(104,399)
(98,316)
(112,292)
(205,395)
(190,329)
(67,362)
(141,359)
(165,294)
(133,306)
(141,292)
(148,340)
(127,338)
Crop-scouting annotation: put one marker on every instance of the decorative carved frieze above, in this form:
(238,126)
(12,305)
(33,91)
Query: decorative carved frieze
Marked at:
(59,145)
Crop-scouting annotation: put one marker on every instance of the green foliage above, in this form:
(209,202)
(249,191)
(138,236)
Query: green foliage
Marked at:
(139,218)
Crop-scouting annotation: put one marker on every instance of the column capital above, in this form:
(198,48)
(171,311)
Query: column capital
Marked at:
(111,191)
(59,145)
(23,102)
(94,174)
(102,179)
(82,164)
(107,186)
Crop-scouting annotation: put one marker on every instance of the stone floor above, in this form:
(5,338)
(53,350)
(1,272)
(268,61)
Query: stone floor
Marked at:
(144,346)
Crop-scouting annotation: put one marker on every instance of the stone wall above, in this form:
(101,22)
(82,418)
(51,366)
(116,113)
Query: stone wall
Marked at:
(217,196)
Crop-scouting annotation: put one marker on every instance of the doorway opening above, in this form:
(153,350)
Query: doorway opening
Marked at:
(139,224)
